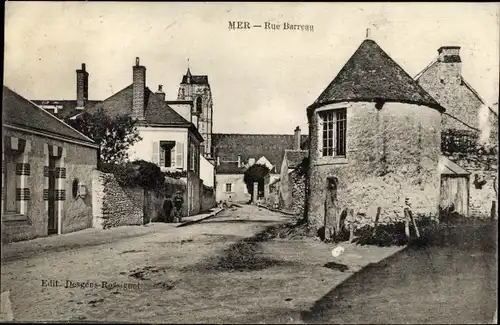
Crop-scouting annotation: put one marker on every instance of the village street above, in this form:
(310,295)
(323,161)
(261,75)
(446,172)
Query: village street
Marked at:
(222,271)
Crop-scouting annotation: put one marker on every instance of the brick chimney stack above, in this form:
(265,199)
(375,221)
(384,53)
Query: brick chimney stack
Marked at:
(451,64)
(160,92)
(82,87)
(139,88)
(296,139)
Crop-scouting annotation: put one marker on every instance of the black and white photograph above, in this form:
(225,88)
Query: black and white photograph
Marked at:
(246,162)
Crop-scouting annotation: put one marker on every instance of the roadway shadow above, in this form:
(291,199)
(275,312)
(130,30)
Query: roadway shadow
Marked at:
(238,221)
(452,281)
(245,255)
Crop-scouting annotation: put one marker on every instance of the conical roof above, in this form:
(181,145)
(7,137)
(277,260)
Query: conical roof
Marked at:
(371,75)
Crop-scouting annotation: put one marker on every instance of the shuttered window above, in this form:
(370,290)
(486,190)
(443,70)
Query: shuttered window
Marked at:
(156,152)
(179,155)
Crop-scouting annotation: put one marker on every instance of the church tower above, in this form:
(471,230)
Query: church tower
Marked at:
(197,89)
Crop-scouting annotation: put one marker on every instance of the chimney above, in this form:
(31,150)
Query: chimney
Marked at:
(296,139)
(139,87)
(451,67)
(239,161)
(160,92)
(82,87)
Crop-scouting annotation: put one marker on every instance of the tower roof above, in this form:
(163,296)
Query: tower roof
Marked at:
(371,75)
(188,78)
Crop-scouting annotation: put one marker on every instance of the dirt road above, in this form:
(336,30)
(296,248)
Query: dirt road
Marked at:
(217,271)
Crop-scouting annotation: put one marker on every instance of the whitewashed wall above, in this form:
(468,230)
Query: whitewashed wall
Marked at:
(207,171)
(148,148)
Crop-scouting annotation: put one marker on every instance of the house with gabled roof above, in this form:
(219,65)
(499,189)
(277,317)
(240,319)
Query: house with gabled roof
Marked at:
(374,142)
(170,139)
(46,172)
(469,127)
(236,152)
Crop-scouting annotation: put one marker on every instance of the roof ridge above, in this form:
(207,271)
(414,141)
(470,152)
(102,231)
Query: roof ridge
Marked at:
(51,116)
(255,134)
(418,75)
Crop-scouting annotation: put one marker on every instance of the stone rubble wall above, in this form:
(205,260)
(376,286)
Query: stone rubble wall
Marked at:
(298,188)
(121,206)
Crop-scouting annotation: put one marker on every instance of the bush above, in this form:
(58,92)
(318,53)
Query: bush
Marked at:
(137,173)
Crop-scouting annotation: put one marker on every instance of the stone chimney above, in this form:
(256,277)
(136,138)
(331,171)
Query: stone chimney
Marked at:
(139,88)
(160,92)
(82,87)
(296,139)
(451,64)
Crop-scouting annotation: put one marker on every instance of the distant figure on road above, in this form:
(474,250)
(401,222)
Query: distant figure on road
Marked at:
(178,202)
(167,208)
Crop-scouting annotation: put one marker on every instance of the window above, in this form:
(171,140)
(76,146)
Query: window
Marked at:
(192,165)
(167,153)
(198,105)
(229,187)
(333,132)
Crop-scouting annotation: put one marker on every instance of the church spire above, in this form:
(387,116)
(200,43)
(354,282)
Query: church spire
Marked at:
(188,73)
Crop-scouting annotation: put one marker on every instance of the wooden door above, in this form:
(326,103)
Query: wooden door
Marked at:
(455,194)
(52,224)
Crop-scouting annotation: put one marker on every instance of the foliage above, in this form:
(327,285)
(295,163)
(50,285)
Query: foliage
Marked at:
(176,174)
(137,173)
(392,234)
(255,174)
(463,142)
(113,135)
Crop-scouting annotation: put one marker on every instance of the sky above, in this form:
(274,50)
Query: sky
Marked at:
(261,80)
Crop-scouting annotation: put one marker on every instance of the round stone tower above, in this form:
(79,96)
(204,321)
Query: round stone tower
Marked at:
(374,143)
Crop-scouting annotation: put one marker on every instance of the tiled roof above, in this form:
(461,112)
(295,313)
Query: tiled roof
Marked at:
(371,75)
(295,157)
(67,108)
(156,111)
(19,111)
(448,167)
(228,146)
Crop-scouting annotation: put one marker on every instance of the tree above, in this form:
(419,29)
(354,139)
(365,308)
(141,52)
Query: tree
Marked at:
(113,135)
(255,173)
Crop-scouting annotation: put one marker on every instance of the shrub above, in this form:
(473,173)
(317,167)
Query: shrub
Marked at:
(137,173)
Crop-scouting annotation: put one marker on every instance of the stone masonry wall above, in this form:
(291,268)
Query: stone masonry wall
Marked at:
(298,191)
(391,154)
(121,206)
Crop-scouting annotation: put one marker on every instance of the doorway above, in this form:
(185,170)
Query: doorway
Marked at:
(52,222)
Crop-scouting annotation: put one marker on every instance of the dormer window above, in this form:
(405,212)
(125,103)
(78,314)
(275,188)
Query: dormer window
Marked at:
(333,132)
